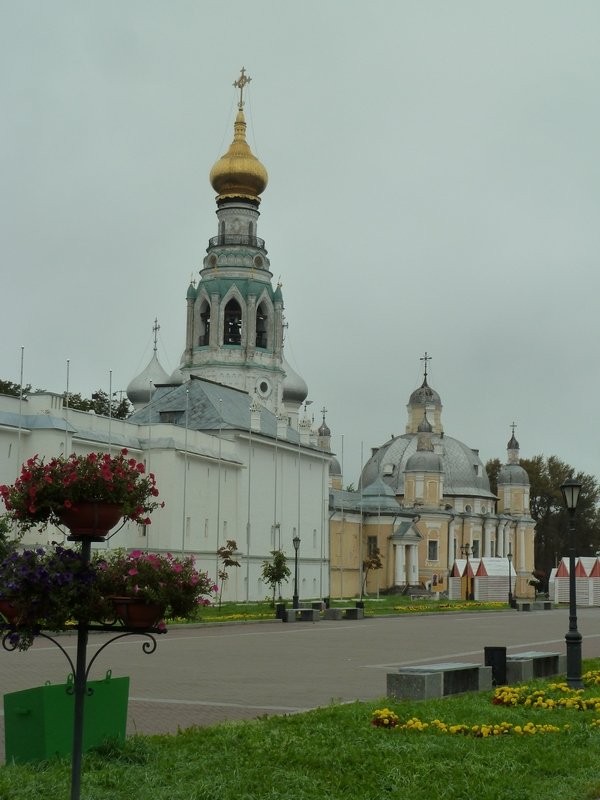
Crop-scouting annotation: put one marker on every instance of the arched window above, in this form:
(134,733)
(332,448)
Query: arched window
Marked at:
(261,326)
(251,229)
(232,323)
(204,337)
(222,231)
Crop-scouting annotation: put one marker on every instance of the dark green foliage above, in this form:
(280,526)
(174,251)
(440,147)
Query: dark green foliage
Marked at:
(275,572)
(98,403)
(547,509)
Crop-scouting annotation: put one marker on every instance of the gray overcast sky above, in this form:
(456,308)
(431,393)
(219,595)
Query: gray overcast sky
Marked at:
(433,185)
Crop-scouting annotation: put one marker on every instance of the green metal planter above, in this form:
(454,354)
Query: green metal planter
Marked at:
(38,722)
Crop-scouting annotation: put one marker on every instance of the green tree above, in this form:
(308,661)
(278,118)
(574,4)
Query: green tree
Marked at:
(547,509)
(99,404)
(275,572)
(373,561)
(226,553)
(13,389)
(7,545)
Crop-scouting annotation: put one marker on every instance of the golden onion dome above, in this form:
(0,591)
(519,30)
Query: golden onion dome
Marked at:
(239,174)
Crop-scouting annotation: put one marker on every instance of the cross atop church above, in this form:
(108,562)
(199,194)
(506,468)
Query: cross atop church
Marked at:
(323,411)
(425,358)
(240,84)
(513,426)
(155,330)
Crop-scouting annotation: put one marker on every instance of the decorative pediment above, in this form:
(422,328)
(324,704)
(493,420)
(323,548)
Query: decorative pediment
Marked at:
(406,533)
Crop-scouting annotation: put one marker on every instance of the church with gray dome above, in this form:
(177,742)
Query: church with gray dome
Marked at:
(425,507)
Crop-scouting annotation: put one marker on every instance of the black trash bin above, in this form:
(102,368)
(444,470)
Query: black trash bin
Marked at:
(495,657)
(279,609)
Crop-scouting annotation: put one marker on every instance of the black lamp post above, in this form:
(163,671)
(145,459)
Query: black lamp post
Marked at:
(570,491)
(296,543)
(509,556)
(466,551)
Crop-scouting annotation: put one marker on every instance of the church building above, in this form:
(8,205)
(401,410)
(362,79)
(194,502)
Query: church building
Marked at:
(424,505)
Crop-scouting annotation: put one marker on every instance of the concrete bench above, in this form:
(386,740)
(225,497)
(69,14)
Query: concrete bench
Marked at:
(301,615)
(542,605)
(344,613)
(438,680)
(523,606)
(534,664)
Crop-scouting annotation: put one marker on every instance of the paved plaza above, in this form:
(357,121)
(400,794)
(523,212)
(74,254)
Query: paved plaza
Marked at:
(203,674)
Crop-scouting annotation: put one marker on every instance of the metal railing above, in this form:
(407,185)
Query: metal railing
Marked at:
(230,238)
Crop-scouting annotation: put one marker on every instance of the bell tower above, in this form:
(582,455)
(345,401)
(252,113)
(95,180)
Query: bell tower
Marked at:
(234,331)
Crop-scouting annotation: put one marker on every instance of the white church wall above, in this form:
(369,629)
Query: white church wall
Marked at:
(214,493)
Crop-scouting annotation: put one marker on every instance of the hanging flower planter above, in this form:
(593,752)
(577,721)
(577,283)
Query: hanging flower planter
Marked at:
(137,614)
(93,520)
(48,493)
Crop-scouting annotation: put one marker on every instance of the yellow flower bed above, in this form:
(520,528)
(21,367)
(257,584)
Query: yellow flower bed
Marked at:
(567,698)
(385,718)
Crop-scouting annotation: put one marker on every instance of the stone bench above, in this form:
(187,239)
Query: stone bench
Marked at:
(542,605)
(301,615)
(523,606)
(438,680)
(534,664)
(344,613)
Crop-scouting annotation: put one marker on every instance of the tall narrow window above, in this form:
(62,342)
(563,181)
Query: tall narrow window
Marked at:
(232,325)
(261,326)
(221,231)
(204,337)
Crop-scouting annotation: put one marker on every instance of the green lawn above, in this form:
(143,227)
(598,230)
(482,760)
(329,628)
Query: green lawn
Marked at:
(395,604)
(335,753)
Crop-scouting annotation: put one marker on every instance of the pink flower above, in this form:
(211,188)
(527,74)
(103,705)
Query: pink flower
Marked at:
(132,571)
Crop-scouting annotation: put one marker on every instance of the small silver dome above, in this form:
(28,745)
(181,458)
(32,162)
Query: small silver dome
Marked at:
(424,461)
(295,390)
(424,395)
(513,473)
(334,467)
(141,388)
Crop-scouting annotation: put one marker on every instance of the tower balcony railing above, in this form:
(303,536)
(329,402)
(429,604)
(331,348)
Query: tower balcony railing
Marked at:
(234,238)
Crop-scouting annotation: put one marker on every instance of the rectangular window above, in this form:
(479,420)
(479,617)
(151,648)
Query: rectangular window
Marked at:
(432,550)
(371,545)
(475,548)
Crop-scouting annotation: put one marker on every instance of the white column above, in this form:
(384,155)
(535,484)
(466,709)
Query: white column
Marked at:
(400,578)
(413,575)
(451,535)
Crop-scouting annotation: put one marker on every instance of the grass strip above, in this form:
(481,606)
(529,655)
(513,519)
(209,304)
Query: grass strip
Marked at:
(335,753)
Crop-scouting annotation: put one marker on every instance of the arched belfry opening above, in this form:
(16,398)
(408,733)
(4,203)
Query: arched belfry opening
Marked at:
(262,320)
(204,338)
(232,323)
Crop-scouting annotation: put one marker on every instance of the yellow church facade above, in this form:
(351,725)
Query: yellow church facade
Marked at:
(425,508)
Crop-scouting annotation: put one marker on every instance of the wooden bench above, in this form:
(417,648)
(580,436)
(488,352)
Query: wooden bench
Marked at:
(344,613)
(438,680)
(534,664)
(301,615)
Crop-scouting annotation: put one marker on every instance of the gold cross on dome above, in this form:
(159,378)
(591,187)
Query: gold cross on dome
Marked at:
(240,84)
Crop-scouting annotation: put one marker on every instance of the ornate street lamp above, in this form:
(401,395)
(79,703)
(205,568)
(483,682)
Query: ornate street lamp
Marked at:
(466,551)
(509,556)
(296,543)
(570,491)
